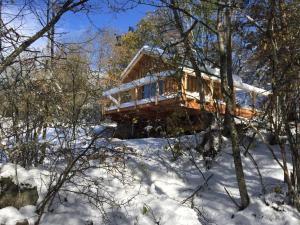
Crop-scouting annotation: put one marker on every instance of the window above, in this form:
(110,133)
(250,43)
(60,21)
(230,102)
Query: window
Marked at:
(192,84)
(146,91)
(151,92)
(161,87)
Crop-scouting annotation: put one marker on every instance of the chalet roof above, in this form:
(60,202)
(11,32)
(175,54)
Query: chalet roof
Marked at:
(147,50)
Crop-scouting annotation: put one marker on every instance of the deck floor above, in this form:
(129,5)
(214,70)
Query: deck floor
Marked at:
(165,107)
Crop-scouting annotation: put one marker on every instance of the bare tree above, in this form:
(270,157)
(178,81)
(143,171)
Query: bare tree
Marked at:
(225,53)
(20,46)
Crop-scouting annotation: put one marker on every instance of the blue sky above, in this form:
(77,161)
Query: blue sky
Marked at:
(74,26)
(104,19)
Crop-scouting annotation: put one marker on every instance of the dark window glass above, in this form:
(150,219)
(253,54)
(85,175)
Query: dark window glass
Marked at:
(147,92)
(161,87)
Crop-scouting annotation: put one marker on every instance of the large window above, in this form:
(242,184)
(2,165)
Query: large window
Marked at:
(150,90)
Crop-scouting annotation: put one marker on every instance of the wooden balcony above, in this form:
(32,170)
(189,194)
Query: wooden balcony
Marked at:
(160,94)
(131,95)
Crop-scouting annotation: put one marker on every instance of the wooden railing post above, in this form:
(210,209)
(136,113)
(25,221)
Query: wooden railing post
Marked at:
(119,101)
(184,86)
(253,98)
(211,87)
(135,96)
(156,91)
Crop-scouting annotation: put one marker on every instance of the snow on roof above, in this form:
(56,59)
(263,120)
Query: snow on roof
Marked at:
(250,88)
(237,81)
(153,49)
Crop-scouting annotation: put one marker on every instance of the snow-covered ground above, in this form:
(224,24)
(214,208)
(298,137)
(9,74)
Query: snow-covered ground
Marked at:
(153,188)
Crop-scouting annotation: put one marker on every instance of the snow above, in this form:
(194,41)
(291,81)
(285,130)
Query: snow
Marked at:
(139,82)
(153,49)
(10,216)
(29,213)
(195,95)
(207,71)
(250,88)
(23,176)
(155,188)
(97,130)
(165,180)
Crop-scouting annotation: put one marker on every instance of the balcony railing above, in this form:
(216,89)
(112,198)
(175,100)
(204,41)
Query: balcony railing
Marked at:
(156,87)
(137,95)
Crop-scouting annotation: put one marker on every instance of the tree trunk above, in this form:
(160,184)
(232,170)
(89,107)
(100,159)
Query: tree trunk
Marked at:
(225,51)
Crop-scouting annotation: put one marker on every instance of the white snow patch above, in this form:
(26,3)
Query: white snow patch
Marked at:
(156,187)
(10,216)
(28,211)
(18,174)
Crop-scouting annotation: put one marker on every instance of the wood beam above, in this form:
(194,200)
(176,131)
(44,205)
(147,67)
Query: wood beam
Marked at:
(156,92)
(253,99)
(211,87)
(135,96)
(184,86)
(119,101)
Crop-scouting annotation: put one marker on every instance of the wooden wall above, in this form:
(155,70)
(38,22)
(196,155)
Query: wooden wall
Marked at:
(211,87)
(147,64)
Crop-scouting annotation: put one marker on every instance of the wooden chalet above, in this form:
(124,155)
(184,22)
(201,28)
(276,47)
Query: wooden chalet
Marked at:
(151,88)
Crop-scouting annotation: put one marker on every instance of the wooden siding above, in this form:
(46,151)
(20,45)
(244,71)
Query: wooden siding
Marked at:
(147,64)
(170,85)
